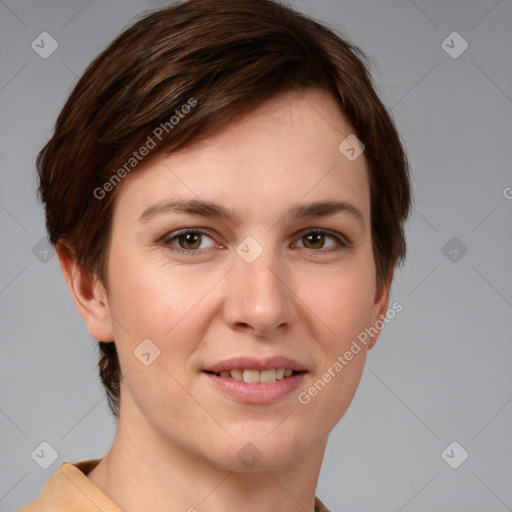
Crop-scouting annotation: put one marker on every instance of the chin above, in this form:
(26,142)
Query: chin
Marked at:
(263,447)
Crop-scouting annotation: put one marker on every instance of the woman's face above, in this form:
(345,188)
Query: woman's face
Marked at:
(260,285)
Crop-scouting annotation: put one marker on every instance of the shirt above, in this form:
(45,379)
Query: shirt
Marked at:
(69,490)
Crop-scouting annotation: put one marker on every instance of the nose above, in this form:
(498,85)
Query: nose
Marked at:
(259,297)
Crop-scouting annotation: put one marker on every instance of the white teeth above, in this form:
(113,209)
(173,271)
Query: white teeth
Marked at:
(237,374)
(254,376)
(268,376)
(251,376)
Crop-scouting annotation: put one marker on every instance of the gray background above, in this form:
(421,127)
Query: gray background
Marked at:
(440,371)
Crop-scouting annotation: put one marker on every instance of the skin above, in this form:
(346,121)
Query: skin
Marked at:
(178,435)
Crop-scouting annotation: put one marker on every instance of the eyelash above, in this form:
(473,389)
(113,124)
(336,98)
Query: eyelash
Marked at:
(342,242)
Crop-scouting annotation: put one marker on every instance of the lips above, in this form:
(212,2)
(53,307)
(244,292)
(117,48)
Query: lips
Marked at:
(256,381)
(256,392)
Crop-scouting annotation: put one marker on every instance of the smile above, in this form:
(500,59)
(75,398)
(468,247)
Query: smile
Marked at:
(255,376)
(252,391)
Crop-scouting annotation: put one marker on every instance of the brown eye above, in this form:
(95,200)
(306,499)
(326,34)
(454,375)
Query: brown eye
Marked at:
(314,240)
(188,242)
(191,240)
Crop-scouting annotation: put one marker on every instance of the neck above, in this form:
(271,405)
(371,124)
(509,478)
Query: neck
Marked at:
(161,475)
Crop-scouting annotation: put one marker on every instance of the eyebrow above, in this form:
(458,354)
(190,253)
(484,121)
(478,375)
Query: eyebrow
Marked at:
(214,210)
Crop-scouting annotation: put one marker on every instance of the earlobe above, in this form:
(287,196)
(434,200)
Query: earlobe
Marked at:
(88,294)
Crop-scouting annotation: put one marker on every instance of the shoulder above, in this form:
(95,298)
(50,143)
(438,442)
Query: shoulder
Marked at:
(70,490)
(35,506)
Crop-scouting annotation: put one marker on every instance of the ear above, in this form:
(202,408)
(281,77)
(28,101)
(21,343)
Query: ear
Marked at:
(88,294)
(380,308)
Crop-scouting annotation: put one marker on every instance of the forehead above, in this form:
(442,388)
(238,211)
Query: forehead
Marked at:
(284,152)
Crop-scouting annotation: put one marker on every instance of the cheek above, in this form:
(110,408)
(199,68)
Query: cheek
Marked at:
(343,299)
(344,303)
(169,304)
(153,299)
(345,307)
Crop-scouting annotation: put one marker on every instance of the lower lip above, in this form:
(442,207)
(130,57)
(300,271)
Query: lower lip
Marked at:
(257,393)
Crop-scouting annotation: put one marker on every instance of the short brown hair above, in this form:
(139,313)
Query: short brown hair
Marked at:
(228,56)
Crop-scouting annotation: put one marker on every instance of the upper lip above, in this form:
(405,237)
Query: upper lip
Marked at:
(251,363)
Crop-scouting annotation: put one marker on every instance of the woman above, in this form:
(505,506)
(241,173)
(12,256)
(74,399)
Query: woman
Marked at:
(227,196)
